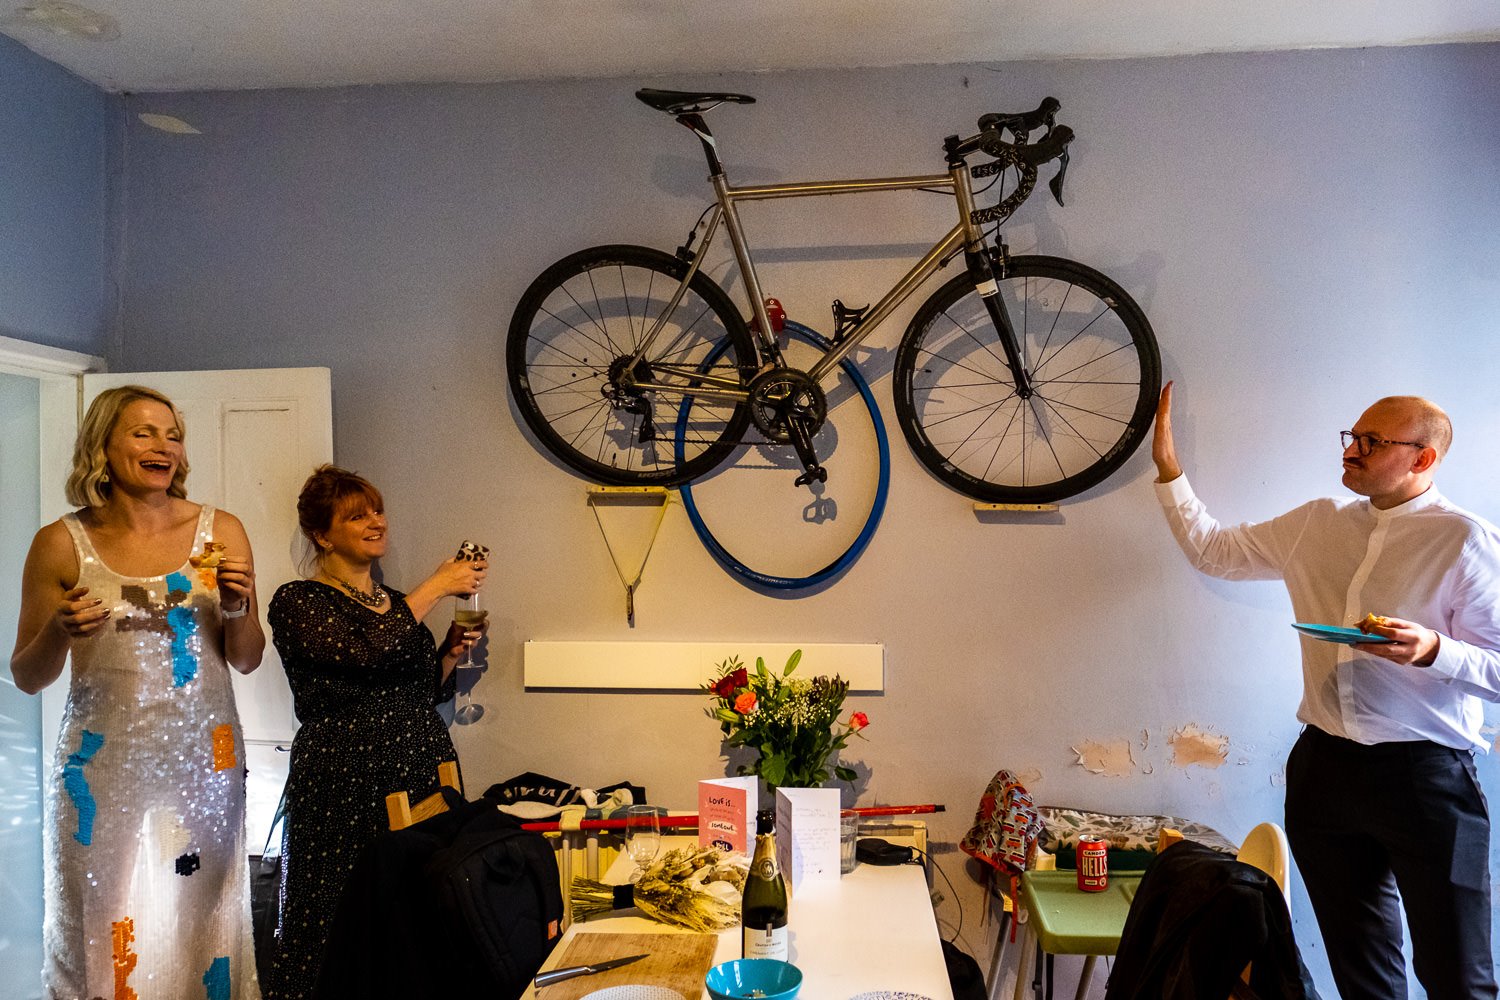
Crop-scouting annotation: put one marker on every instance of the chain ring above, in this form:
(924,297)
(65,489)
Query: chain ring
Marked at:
(781,393)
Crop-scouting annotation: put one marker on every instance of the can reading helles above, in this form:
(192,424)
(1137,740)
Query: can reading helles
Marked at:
(1093,864)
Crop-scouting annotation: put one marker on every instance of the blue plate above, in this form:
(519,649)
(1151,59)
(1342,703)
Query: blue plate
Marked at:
(1338,633)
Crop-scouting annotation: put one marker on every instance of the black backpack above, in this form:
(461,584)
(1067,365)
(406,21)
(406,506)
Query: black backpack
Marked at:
(468,885)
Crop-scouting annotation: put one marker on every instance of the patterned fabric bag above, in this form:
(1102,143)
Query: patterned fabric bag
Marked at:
(1006,826)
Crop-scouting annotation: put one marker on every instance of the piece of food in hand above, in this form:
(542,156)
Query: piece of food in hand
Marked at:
(208,562)
(213,555)
(1369,621)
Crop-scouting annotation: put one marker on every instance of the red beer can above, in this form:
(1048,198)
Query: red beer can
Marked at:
(1093,864)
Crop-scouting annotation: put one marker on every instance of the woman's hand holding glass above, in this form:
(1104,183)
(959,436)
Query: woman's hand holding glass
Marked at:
(470,622)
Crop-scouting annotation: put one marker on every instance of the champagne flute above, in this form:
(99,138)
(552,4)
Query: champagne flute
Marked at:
(642,837)
(468,616)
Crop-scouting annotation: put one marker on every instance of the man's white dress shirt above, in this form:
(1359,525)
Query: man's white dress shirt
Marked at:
(1425,561)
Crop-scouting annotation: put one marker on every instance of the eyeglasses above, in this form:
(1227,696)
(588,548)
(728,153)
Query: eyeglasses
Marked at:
(1368,442)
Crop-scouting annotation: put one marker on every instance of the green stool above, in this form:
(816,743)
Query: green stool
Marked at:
(1067,921)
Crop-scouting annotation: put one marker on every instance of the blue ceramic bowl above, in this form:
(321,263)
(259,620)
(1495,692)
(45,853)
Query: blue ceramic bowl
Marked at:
(744,978)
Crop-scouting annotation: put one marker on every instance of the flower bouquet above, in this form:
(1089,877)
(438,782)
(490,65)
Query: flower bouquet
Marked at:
(694,887)
(792,721)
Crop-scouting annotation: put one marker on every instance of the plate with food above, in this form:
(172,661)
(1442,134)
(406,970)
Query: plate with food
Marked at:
(1339,633)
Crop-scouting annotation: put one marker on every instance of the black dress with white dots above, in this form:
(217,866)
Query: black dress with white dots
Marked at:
(365,687)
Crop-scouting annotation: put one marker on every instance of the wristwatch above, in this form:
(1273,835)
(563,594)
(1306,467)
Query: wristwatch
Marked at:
(240,612)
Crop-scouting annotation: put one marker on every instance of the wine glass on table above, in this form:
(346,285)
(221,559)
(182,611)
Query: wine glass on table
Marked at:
(468,616)
(642,837)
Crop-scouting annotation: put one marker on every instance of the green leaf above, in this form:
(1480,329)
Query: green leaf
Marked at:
(773,769)
(791,662)
(845,773)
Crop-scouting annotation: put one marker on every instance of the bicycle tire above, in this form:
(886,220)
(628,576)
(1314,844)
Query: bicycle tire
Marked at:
(588,312)
(845,559)
(1095,371)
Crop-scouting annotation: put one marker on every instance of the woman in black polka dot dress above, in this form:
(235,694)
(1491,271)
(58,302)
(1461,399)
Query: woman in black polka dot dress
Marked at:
(366,678)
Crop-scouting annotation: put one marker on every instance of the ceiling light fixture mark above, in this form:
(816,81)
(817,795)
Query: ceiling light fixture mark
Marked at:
(68,19)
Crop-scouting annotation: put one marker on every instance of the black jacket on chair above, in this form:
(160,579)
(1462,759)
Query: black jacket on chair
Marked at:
(460,905)
(1198,917)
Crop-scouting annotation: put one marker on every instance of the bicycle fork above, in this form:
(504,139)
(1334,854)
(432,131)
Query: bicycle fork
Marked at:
(986,270)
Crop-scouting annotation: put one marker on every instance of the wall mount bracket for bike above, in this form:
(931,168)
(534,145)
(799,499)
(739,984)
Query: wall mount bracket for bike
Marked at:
(630,495)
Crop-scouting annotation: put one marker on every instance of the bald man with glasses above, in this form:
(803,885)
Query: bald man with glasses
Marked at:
(1381,792)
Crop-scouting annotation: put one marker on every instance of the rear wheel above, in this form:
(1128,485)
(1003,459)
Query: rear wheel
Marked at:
(570,341)
(1094,371)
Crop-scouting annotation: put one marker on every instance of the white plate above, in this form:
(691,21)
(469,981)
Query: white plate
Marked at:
(642,992)
(890,995)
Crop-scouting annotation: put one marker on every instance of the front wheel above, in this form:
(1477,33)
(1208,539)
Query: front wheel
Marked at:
(1094,373)
(568,355)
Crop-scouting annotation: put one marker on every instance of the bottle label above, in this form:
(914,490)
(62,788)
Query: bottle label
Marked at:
(766,943)
(764,868)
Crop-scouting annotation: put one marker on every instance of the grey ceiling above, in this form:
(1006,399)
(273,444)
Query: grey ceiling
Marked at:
(149,45)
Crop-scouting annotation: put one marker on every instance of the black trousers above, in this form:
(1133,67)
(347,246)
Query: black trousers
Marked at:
(1367,822)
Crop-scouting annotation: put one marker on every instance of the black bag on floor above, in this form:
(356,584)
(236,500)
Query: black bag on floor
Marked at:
(963,973)
(265,896)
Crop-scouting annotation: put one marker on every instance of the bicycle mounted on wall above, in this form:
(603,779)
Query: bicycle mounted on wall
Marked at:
(1024,379)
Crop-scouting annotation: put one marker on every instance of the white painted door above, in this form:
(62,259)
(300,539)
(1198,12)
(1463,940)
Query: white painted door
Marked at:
(252,438)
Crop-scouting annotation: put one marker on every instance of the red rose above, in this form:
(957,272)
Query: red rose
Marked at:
(858,721)
(745,703)
(725,686)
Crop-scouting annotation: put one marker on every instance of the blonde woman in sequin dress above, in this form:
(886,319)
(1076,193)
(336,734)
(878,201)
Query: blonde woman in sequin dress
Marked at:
(147,889)
(366,679)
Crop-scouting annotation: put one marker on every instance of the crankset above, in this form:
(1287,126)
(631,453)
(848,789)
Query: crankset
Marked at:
(789,407)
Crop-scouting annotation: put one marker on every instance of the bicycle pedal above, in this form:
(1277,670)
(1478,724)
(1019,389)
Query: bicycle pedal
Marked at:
(814,474)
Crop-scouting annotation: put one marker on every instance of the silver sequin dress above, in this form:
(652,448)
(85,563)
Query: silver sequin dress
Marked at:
(147,884)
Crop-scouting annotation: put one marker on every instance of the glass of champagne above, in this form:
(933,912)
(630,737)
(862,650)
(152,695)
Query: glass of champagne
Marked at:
(468,615)
(642,837)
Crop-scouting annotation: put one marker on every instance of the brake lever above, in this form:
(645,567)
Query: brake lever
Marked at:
(1056,183)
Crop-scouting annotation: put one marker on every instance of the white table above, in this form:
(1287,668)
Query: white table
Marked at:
(872,930)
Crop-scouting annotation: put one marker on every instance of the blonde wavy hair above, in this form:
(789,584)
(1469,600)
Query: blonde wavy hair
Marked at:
(88,484)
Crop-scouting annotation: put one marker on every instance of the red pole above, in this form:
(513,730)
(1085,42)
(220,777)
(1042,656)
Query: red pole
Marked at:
(686,822)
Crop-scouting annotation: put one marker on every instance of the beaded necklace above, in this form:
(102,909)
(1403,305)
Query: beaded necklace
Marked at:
(373,599)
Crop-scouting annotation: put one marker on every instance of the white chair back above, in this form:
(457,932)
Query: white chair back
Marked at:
(1266,848)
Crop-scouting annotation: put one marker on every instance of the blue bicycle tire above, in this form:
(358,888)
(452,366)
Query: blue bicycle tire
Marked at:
(727,559)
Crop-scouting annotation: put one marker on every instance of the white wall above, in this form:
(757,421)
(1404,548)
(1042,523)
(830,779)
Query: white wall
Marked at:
(1306,231)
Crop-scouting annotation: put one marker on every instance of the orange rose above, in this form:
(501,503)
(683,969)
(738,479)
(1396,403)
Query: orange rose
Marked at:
(858,721)
(745,703)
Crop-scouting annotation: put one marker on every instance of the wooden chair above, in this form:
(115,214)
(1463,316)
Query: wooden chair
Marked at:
(402,813)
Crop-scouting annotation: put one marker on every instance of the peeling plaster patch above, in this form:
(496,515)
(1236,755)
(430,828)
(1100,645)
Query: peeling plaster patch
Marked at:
(1029,777)
(1492,731)
(1194,745)
(1111,759)
(1278,778)
(1147,768)
(1145,738)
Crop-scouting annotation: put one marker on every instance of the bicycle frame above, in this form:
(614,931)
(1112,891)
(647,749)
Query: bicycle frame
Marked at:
(966,235)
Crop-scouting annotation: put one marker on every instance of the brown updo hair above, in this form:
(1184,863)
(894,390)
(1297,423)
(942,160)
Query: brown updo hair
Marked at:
(327,491)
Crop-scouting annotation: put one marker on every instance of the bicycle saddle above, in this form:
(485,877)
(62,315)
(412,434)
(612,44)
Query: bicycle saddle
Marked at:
(685,102)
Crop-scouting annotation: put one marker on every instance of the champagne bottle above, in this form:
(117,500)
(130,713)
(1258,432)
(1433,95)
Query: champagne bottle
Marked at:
(763,910)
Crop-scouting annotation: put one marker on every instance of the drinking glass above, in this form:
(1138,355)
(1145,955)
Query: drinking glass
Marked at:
(642,837)
(468,615)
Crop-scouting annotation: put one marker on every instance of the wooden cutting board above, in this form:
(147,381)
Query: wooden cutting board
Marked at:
(679,961)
